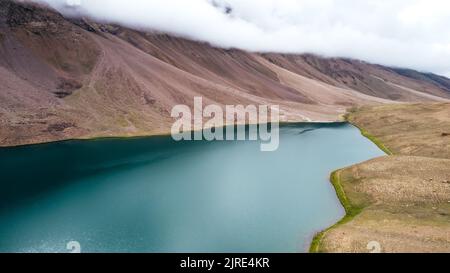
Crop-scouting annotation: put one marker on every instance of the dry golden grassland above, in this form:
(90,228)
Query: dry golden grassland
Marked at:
(401,201)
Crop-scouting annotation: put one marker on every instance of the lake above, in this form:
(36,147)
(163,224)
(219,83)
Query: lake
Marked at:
(157,195)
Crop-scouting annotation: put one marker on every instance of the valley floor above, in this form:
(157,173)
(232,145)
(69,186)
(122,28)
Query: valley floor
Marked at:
(401,201)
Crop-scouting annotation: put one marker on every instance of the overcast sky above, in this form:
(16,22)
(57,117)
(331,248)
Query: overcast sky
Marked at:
(405,33)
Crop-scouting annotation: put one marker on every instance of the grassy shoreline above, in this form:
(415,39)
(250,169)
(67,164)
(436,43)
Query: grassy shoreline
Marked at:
(401,200)
(350,210)
(374,140)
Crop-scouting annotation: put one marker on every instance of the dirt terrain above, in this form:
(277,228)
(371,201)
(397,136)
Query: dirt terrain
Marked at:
(400,201)
(65,78)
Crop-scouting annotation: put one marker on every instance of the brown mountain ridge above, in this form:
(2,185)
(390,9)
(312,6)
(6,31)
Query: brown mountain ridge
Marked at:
(64,78)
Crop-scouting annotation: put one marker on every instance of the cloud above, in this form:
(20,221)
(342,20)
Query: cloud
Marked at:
(404,33)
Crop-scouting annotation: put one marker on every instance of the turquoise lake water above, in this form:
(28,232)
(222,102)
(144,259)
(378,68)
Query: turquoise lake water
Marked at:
(158,195)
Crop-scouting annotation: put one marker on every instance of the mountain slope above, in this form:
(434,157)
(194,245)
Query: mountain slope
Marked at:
(74,78)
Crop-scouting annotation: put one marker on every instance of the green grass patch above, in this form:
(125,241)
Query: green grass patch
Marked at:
(366,134)
(376,141)
(350,211)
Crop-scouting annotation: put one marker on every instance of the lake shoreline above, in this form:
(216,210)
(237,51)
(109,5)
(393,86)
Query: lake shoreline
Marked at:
(413,218)
(159,134)
(350,210)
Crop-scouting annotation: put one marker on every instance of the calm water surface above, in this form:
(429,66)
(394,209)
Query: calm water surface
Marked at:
(157,195)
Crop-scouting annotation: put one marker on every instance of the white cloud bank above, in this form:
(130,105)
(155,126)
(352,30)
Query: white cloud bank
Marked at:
(405,33)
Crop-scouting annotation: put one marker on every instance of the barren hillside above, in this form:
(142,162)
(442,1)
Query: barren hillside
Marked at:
(73,78)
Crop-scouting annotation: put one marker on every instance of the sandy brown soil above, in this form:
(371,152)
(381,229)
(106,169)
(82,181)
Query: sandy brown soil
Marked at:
(73,78)
(420,129)
(404,200)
